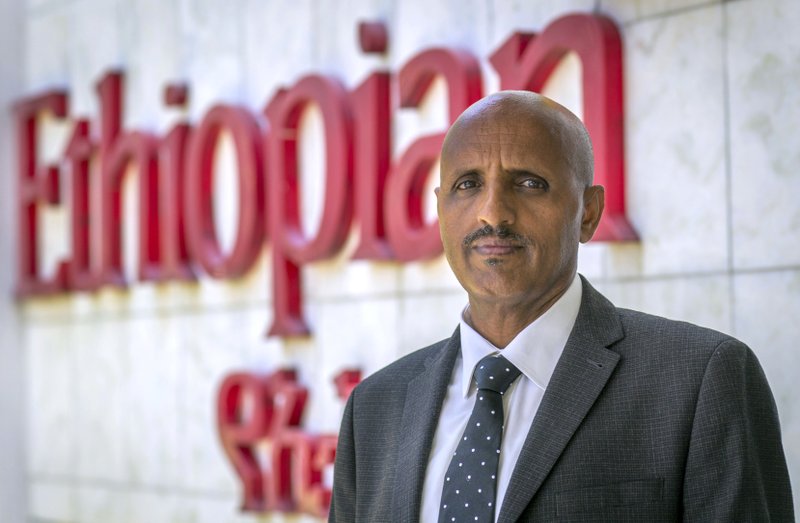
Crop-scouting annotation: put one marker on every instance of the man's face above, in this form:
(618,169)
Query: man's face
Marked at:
(511,208)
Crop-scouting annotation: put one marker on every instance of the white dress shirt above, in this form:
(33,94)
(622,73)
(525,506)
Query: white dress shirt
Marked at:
(535,352)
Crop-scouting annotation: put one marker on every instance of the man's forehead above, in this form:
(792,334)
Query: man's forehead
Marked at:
(484,139)
(504,127)
(495,139)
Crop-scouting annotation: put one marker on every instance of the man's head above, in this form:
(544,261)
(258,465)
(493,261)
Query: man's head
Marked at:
(516,198)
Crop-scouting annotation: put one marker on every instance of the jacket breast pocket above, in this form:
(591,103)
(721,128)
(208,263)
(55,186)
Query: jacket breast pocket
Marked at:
(632,500)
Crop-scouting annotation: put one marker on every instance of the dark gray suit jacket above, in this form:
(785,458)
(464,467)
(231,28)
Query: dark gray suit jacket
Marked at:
(645,419)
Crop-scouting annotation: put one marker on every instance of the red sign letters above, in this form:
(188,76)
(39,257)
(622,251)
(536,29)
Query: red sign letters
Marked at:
(363,183)
(281,467)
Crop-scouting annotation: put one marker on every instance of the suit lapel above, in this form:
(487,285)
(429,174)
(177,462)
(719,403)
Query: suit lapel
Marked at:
(423,404)
(579,377)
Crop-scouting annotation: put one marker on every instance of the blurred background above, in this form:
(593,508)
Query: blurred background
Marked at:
(108,398)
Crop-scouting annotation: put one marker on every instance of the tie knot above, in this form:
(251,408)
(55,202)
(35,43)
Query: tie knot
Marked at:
(495,373)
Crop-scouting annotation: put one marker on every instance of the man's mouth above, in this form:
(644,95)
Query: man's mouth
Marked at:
(495,248)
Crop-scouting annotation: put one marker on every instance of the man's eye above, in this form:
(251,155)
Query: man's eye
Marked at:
(467,184)
(533,183)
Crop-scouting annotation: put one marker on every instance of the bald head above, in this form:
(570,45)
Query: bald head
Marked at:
(529,109)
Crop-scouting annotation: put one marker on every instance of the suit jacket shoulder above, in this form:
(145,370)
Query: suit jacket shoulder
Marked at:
(664,346)
(398,373)
(643,326)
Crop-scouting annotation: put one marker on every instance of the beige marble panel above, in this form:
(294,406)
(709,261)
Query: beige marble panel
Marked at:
(763,53)
(46,55)
(14,374)
(150,506)
(210,52)
(767,305)
(151,36)
(591,260)
(210,349)
(705,301)
(51,501)
(259,351)
(343,278)
(38,6)
(101,503)
(354,334)
(270,32)
(94,47)
(628,11)
(426,318)
(610,260)
(254,286)
(675,145)
(150,392)
(428,276)
(449,23)
(51,400)
(102,363)
(336,46)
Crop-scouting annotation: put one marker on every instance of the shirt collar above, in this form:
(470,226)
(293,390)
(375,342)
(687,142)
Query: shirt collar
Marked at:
(535,351)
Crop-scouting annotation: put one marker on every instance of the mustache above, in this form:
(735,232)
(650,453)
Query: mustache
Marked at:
(502,232)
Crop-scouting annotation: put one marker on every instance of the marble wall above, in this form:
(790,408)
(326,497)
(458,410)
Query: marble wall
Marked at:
(12,353)
(120,385)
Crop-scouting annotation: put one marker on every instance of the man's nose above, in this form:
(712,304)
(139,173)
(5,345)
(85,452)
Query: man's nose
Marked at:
(496,207)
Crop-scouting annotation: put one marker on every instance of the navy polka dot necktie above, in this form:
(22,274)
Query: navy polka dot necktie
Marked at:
(468,494)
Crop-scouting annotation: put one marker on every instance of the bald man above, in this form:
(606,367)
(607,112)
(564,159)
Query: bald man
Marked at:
(607,414)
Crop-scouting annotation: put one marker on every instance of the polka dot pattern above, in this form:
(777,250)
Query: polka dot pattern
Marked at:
(469,487)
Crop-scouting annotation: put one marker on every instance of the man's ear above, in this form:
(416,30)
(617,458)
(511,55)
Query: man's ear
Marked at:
(594,200)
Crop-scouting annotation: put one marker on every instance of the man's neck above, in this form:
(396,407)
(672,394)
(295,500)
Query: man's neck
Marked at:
(500,322)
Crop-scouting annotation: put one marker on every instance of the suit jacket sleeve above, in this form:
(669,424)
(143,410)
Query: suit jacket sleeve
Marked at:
(736,469)
(343,500)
